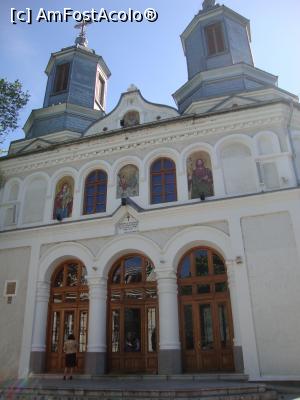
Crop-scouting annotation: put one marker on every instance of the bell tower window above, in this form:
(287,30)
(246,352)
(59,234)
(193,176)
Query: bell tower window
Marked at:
(215,38)
(100,86)
(61,77)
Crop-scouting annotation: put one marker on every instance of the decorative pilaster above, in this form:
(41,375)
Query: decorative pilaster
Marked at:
(232,266)
(242,301)
(169,360)
(182,186)
(95,363)
(38,347)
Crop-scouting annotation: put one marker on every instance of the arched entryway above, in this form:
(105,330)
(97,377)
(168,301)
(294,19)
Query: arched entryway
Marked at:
(206,327)
(132,316)
(68,313)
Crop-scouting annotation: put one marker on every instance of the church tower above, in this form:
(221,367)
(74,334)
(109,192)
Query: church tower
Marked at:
(75,94)
(216,45)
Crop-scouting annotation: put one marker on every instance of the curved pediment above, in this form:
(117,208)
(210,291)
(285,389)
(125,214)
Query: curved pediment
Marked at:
(131,110)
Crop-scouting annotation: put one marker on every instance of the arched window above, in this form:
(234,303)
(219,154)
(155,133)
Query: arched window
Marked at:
(163,181)
(95,192)
(199,175)
(68,313)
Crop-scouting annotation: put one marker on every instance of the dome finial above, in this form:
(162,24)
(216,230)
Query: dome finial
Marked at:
(81,38)
(207,4)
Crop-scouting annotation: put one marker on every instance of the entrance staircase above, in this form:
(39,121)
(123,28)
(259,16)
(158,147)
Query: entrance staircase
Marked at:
(137,387)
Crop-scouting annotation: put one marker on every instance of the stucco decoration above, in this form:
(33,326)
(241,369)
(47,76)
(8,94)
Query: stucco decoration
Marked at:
(199,175)
(128,182)
(63,201)
(131,118)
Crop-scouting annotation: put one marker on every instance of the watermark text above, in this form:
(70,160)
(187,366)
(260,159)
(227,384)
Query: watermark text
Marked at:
(68,14)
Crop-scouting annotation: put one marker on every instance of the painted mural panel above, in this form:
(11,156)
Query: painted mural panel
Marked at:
(128,182)
(199,175)
(63,201)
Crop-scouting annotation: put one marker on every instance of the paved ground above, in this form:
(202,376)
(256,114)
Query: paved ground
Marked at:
(285,391)
(124,384)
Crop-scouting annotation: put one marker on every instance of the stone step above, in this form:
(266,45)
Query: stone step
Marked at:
(70,390)
(130,377)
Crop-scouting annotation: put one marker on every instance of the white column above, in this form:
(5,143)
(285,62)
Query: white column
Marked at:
(40,318)
(168,310)
(182,186)
(231,268)
(78,194)
(48,208)
(243,300)
(234,300)
(97,315)
(169,361)
(95,361)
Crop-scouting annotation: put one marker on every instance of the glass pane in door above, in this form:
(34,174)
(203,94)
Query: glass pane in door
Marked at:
(83,322)
(68,324)
(206,327)
(223,325)
(115,331)
(132,329)
(55,332)
(151,328)
(188,327)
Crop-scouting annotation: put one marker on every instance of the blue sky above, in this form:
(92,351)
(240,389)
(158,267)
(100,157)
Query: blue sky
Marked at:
(146,54)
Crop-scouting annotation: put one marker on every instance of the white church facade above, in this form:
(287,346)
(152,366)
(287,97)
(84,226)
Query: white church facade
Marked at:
(165,239)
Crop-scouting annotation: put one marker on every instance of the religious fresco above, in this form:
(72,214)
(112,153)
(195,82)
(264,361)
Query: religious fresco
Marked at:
(63,201)
(199,175)
(128,182)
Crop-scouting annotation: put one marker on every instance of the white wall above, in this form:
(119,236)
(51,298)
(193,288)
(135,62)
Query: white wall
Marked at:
(274,276)
(14,265)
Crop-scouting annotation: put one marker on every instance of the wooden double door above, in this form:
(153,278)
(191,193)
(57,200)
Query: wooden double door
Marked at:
(133,339)
(206,336)
(205,313)
(67,314)
(64,322)
(132,316)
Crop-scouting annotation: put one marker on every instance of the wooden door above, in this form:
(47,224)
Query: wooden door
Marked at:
(205,313)
(132,312)
(68,314)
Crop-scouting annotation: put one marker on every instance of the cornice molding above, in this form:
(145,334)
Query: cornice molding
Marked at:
(177,131)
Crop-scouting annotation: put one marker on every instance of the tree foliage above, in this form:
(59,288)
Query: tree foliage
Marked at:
(12,99)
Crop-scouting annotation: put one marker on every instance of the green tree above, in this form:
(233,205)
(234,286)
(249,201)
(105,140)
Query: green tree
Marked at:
(12,99)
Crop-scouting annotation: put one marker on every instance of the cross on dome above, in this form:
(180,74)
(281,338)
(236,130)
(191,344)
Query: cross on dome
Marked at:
(81,38)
